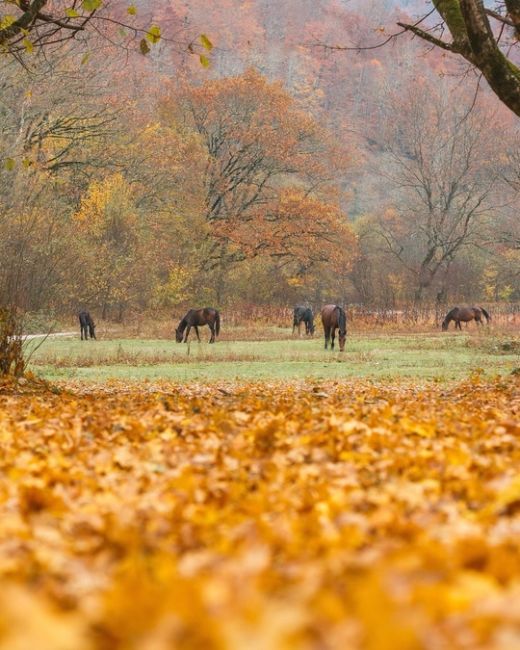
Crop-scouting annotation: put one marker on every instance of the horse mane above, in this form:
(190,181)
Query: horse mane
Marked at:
(183,323)
(342,320)
(450,315)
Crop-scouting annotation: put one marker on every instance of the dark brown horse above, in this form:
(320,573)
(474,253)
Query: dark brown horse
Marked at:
(333,317)
(303,315)
(86,325)
(464,315)
(195,317)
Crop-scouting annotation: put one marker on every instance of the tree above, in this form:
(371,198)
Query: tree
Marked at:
(50,118)
(268,167)
(443,164)
(35,248)
(108,225)
(30,24)
(489,48)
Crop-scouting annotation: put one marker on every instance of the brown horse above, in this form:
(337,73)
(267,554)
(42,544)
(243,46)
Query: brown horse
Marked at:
(464,315)
(195,317)
(332,317)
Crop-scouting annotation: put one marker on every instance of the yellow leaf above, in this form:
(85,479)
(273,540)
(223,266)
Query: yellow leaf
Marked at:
(154,34)
(7,21)
(206,43)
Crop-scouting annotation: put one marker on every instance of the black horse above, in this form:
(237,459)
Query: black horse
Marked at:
(195,317)
(303,315)
(332,317)
(86,325)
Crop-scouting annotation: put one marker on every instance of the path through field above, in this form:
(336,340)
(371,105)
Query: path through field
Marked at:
(51,335)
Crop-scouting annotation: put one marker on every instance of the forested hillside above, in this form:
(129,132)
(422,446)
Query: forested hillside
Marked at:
(258,165)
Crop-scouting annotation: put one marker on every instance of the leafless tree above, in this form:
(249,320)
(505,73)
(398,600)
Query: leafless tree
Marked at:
(443,164)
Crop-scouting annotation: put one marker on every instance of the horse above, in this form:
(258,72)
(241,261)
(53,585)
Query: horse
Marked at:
(86,325)
(195,317)
(303,315)
(332,317)
(465,314)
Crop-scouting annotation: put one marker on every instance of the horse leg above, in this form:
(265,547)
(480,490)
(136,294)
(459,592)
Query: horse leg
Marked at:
(187,333)
(458,324)
(327,335)
(81,330)
(197,332)
(332,337)
(212,330)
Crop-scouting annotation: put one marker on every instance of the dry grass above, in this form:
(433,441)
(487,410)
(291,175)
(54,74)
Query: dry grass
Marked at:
(254,323)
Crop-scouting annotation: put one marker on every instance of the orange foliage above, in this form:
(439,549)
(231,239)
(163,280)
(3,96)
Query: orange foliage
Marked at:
(299,227)
(269,165)
(294,516)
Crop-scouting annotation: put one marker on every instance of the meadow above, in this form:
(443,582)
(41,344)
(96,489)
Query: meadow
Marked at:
(378,355)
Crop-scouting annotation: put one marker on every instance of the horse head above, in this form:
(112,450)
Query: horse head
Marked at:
(342,328)
(178,335)
(444,325)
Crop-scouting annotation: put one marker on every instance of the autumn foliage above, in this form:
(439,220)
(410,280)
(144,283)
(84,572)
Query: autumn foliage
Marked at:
(268,180)
(284,516)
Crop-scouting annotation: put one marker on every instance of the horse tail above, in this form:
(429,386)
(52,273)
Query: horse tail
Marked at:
(217,322)
(342,320)
(486,314)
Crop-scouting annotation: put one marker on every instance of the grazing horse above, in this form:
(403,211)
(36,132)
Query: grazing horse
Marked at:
(86,325)
(332,317)
(303,315)
(465,314)
(195,317)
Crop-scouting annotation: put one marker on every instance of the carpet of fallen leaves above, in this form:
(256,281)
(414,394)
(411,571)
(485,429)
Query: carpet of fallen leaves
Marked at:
(349,515)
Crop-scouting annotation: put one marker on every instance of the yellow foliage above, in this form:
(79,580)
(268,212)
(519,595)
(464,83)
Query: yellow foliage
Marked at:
(346,515)
(106,201)
(174,290)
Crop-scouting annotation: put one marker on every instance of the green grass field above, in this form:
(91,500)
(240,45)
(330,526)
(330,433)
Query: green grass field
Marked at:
(384,356)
